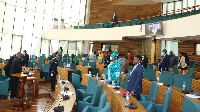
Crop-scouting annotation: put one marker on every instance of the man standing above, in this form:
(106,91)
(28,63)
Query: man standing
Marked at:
(135,79)
(164,61)
(8,65)
(114,18)
(173,59)
(122,62)
(53,72)
(129,56)
(25,59)
(144,61)
(16,67)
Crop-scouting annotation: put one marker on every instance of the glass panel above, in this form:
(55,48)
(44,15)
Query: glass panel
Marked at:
(6,46)
(79,47)
(58,7)
(178,5)
(64,45)
(19,21)
(45,47)
(164,8)
(75,12)
(49,6)
(12,2)
(21,3)
(16,44)
(8,19)
(28,25)
(72,48)
(26,43)
(184,3)
(30,4)
(2,8)
(36,44)
(38,25)
(82,11)
(40,5)
(170,7)
(197,3)
(54,46)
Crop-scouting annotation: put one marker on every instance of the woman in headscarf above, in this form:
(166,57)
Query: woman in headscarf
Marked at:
(114,69)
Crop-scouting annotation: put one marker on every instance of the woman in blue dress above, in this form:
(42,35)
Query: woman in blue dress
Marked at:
(114,69)
(93,57)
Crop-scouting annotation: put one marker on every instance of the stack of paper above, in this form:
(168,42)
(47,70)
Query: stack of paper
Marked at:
(192,96)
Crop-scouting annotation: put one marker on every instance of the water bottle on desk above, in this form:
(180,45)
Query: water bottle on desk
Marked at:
(88,64)
(59,77)
(158,79)
(183,72)
(184,86)
(113,83)
(127,100)
(63,87)
(40,109)
(97,76)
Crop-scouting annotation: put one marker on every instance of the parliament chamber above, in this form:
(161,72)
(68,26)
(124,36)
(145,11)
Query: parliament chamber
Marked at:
(99,56)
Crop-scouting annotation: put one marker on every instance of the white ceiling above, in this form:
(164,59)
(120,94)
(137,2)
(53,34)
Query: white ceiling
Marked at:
(142,2)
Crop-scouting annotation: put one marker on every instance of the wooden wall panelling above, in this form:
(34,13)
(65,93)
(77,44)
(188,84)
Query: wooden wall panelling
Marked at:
(102,10)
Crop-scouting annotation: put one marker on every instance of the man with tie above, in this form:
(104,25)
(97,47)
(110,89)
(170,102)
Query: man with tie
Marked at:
(164,61)
(135,79)
(53,71)
(114,18)
(144,61)
(25,59)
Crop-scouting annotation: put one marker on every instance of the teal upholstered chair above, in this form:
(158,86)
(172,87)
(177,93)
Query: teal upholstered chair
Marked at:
(152,107)
(192,64)
(60,63)
(38,64)
(106,108)
(175,69)
(93,70)
(180,78)
(30,64)
(82,93)
(0,60)
(189,105)
(150,66)
(191,72)
(85,63)
(45,72)
(125,84)
(152,93)
(149,74)
(32,60)
(76,82)
(4,87)
(102,104)
(91,100)
(105,71)
(167,77)
(3,77)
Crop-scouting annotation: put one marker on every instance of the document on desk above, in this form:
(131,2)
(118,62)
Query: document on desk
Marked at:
(68,93)
(112,86)
(192,96)
(160,84)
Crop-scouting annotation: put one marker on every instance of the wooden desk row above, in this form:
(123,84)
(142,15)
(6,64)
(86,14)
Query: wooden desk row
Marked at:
(116,99)
(68,104)
(176,99)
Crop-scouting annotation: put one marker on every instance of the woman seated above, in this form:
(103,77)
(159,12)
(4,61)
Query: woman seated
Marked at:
(74,59)
(114,69)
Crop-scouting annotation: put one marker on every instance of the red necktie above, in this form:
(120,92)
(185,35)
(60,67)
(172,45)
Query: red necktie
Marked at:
(161,59)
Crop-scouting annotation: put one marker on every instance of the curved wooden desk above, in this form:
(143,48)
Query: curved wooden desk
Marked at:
(116,99)
(68,104)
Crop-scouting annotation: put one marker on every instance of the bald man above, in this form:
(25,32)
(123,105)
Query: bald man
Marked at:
(16,67)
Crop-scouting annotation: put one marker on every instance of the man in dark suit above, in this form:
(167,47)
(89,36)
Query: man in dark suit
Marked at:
(53,72)
(144,61)
(8,65)
(25,59)
(16,67)
(135,79)
(164,61)
(114,18)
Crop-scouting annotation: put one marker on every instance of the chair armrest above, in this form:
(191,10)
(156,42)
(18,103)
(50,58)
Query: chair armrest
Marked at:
(87,99)
(143,97)
(159,107)
(82,105)
(145,104)
(87,109)
(151,108)
(94,109)
(8,79)
(83,86)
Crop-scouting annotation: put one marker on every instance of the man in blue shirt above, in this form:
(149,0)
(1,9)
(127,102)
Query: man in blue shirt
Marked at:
(135,79)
